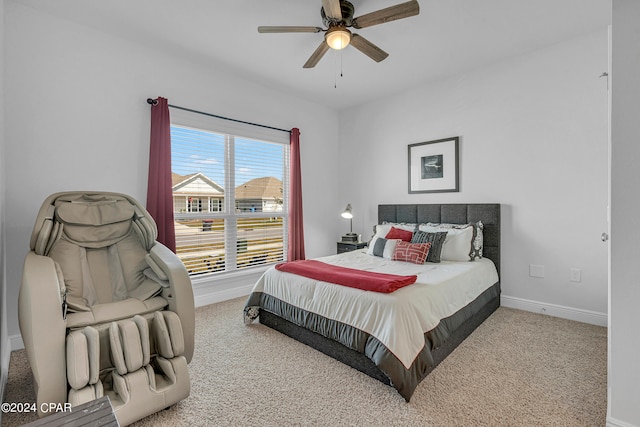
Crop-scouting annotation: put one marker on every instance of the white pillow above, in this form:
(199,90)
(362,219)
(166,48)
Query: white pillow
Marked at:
(457,245)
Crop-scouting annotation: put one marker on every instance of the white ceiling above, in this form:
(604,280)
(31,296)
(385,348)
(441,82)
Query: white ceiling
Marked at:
(447,37)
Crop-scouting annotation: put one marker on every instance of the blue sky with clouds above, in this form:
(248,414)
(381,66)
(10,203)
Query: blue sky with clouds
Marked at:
(194,150)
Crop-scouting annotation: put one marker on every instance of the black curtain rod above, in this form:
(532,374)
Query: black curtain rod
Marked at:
(155,102)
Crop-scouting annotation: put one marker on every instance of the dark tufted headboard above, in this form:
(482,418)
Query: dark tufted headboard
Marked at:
(488,213)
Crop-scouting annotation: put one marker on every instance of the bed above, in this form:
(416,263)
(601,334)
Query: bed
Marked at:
(397,338)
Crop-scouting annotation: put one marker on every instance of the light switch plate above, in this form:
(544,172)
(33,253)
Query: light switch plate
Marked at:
(536,270)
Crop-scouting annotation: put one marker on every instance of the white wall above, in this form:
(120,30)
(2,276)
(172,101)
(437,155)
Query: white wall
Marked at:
(624,339)
(533,137)
(79,120)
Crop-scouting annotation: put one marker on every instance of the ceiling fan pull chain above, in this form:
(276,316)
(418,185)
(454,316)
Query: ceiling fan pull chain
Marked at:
(335,73)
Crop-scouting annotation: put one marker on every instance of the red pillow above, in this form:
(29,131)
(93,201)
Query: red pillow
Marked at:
(411,252)
(398,233)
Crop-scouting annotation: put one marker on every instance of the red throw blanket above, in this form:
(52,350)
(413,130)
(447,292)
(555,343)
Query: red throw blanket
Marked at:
(366,280)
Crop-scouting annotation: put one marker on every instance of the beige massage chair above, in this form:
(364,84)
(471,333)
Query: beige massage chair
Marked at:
(104,309)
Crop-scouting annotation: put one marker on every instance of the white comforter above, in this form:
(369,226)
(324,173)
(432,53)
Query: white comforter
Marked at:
(399,319)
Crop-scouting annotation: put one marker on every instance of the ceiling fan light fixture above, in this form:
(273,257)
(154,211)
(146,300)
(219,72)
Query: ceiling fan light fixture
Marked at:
(337,17)
(338,37)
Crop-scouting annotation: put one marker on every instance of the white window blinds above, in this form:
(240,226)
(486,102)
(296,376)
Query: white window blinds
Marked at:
(229,196)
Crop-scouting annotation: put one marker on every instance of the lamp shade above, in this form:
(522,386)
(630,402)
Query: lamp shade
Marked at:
(347,212)
(338,37)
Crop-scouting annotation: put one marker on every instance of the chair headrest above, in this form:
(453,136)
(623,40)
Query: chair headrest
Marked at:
(90,209)
(94,220)
(91,219)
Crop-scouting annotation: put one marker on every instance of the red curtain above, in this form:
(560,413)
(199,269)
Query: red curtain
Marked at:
(296,232)
(159,192)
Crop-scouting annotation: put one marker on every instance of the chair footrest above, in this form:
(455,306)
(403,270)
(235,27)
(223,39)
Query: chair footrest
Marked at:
(137,362)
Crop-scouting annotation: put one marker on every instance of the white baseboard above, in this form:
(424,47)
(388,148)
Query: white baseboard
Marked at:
(579,315)
(5,358)
(612,422)
(223,295)
(15,342)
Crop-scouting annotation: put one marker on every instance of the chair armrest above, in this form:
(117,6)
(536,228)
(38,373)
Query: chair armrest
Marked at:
(179,294)
(43,328)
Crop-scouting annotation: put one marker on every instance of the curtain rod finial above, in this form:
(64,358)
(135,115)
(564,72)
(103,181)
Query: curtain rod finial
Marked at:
(152,101)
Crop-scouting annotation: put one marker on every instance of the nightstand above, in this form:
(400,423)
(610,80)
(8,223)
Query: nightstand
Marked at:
(350,246)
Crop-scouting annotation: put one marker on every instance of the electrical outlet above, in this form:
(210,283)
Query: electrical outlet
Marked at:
(575,275)
(536,270)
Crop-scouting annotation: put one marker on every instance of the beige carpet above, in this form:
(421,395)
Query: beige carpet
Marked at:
(516,369)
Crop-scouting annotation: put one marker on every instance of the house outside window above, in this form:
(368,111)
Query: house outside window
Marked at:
(229,200)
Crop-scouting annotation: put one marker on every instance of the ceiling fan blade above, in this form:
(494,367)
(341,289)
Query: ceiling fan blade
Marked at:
(316,56)
(399,11)
(368,48)
(332,9)
(288,29)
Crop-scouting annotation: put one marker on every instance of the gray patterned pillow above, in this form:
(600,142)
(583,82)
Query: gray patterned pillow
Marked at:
(436,240)
(379,246)
(478,241)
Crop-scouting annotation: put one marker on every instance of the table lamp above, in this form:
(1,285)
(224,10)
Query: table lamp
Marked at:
(350,236)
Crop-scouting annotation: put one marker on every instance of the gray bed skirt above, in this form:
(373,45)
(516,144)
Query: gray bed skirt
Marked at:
(364,352)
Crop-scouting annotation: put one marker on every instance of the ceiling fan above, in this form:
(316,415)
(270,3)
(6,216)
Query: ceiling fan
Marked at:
(337,16)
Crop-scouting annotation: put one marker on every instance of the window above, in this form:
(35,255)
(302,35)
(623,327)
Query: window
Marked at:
(229,198)
(194,204)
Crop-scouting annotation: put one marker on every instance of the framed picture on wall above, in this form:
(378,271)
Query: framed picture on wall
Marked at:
(433,166)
